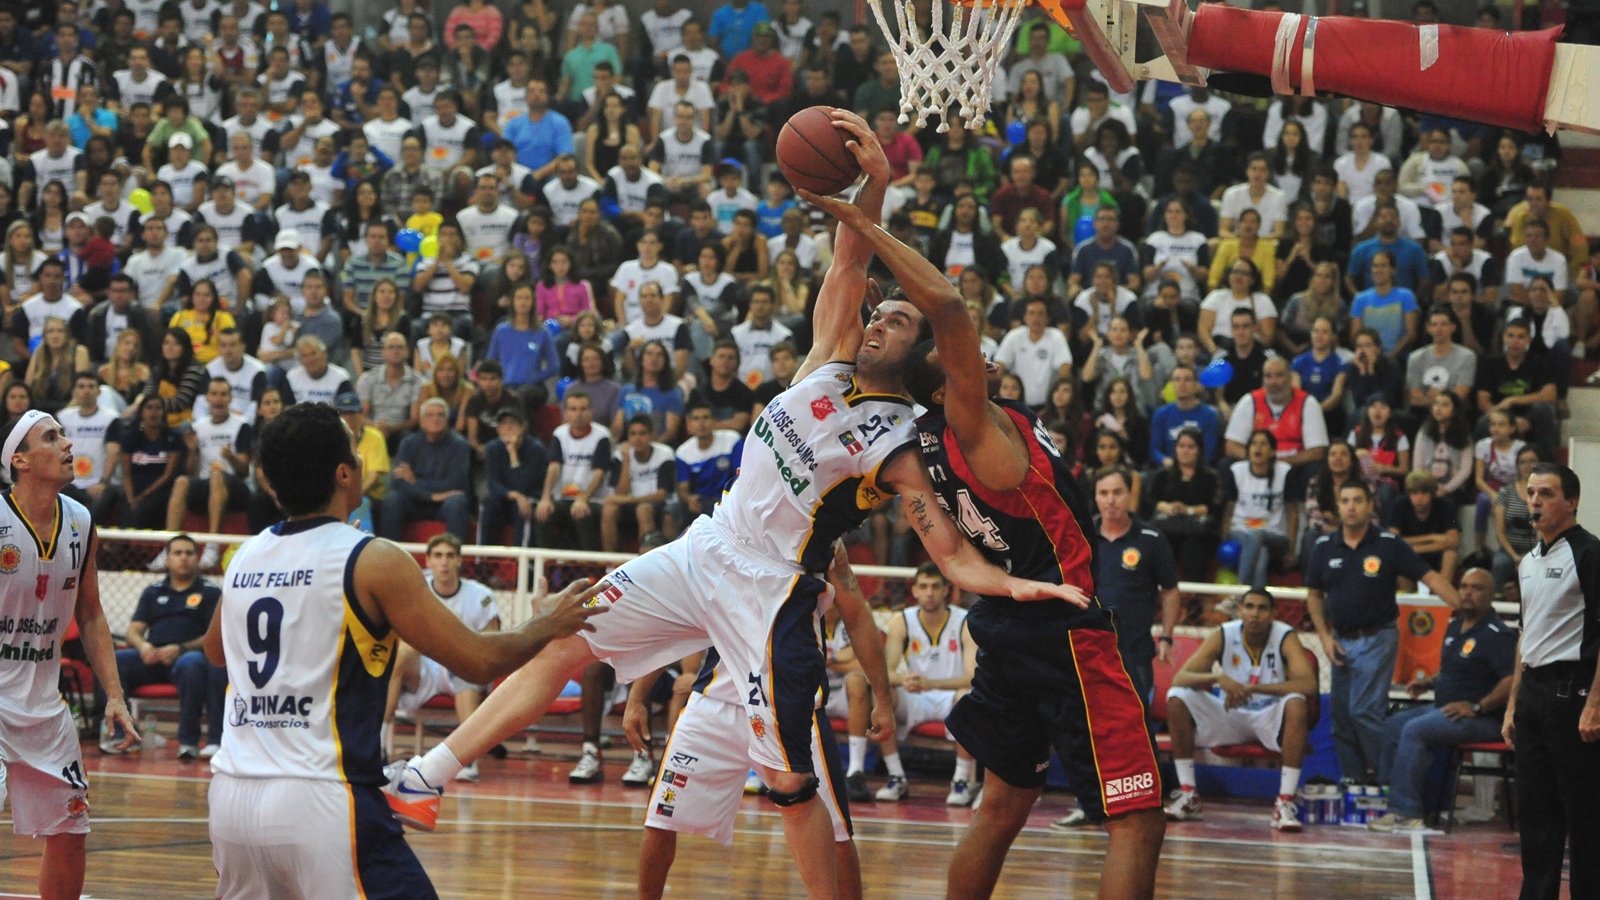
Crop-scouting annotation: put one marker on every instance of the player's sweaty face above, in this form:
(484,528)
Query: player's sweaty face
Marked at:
(890,333)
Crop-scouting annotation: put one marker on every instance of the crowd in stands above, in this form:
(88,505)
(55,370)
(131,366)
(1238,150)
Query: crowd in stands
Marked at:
(544,263)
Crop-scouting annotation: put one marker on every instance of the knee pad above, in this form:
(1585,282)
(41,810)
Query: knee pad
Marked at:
(806,792)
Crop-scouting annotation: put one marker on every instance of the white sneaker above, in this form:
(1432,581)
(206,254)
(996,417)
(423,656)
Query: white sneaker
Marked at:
(1072,821)
(209,750)
(188,751)
(159,564)
(895,790)
(210,556)
(470,773)
(961,794)
(587,771)
(413,800)
(640,771)
(1285,814)
(1187,807)
(753,783)
(1394,823)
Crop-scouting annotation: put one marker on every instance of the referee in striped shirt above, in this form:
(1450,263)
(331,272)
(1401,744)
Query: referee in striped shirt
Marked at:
(1553,719)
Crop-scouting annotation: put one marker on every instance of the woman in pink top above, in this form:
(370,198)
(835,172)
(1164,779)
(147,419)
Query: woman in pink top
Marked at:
(485,20)
(557,296)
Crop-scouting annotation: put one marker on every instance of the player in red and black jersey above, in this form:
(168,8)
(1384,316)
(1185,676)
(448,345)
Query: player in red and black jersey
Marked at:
(1048,675)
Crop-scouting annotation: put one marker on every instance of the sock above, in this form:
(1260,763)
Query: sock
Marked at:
(386,739)
(858,755)
(1185,769)
(892,761)
(1288,782)
(963,770)
(591,747)
(439,766)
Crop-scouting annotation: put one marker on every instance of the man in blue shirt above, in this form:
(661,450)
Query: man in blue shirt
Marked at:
(1411,263)
(1107,246)
(1387,308)
(732,24)
(541,135)
(431,478)
(1185,412)
(707,462)
(1469,693)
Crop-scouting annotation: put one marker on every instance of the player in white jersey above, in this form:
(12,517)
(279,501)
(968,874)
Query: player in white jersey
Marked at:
(418,679)
(941,658)
(702,778)
(310,614)
(219,442)
(1260,693)
(746,579)
(50,581)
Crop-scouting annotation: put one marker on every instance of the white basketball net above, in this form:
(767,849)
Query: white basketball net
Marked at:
(949,69)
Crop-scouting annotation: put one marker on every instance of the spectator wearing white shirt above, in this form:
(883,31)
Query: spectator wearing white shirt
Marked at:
(1358,168)
(757,335)
(1534,258)
(683,156)
(1197,98)
(663,27)
(1427,175)
(1096,108)
(635,273)
(1384,124)
(155,267)
(486,230)
(682,87)
(1054,70)
(1255,193)
(565,192)
(794,239)
(1242,291)
(1028,249)
(1035,352)
(731,195)
(1385,187)
(1103,301)
(253,179)
(1464,210)
(1547,323)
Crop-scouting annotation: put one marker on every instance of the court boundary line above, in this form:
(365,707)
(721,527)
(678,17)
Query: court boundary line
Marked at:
(1421,867)
(1170,838)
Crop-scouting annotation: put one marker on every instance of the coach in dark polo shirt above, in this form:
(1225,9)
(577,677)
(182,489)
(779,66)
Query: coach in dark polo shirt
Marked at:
(1351,578)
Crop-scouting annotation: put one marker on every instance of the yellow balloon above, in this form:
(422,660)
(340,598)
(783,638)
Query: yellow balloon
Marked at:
(429,248)
(140,200)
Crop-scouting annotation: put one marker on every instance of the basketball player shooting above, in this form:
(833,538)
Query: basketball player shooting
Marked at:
(49,580)
(748,579)
(310,614)
(1048,674)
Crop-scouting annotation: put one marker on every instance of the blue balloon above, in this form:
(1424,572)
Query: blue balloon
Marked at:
(553,326)
(1228,554)
(561,387)
(34,342)
(408,240)
(1083,229)
(1219,373)
(1016,133)
(609,208)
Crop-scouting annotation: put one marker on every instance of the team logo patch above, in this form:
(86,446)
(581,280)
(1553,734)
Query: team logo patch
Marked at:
(851,445)
(77,807)
(954,645)
(669,796)
(842,378)
(916,646)
(684,761)
(609,593)
(1421,623)
(894,419)
(822,408)
(1236,660)
(70,583)
(758,727)
(1467,648)
(675,779)
(1371,565)
(664,810)
(192,601)
(10,558)
(1130,558)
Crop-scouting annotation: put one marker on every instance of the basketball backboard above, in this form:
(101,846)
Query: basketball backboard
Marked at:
(1131,40)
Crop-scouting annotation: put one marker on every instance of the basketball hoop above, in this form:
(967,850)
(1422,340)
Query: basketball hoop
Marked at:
(949,69)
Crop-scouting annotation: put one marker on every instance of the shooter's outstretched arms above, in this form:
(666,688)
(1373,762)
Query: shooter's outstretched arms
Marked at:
(836,321)
(983,431)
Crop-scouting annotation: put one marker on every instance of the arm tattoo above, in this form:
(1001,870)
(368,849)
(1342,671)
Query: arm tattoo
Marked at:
(919,508)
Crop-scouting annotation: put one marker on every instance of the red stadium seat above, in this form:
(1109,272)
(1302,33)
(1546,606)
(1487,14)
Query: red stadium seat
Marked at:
(140,697)
(931,730)
(419,532)
(232,523)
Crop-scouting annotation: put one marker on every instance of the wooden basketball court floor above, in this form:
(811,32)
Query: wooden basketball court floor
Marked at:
(524,832)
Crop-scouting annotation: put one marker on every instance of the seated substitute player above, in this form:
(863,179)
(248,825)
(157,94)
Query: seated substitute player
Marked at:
(1045,670)
(746,578)
(310,615)
(53,580)
(418,679)
(1259,695)
(699,788)
(932,637)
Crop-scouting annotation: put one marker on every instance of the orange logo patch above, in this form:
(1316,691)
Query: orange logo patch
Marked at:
(1421,623)
(1130,558)
(77,807)
(10,558)
(758,727)
(192,601)
(1467,648)
(1371,564)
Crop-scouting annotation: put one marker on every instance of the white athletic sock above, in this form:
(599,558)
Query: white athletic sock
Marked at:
(591,747)
(1185,769)
(858,755)
(1288,782)
(439,765)
(963,770)
(892,761)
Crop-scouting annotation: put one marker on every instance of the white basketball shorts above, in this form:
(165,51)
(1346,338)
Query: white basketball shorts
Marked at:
(703,771)
(433,679)
(41,768)
(911,710)
(1217,726)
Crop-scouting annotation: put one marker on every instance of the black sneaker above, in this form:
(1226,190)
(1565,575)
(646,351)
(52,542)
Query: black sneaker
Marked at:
(855,787)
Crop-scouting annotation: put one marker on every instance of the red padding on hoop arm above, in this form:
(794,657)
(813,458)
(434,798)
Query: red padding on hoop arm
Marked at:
(1480,75)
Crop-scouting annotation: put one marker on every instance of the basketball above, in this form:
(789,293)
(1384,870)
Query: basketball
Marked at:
(812,154)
